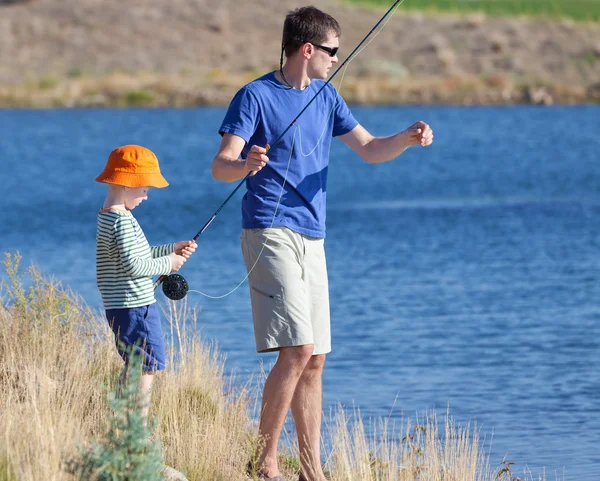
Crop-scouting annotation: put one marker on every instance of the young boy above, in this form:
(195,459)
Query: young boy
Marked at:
(125,262)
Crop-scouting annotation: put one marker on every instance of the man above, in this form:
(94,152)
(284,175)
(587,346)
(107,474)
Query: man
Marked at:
(283,220)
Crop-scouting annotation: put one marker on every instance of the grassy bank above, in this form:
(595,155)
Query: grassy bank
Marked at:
(458,59)
(586,10)
(218,88)
(57,357)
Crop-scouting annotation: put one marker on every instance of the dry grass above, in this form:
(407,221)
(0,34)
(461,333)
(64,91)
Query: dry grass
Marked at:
(419,454)
(203,422)
(57,357)
(155,90)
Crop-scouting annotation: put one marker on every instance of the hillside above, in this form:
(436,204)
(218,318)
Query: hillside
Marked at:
(194,52)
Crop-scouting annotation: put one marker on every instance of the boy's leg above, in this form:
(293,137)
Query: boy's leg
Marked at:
(307,408)
(277,397)
(154,354)
(138,334)
(146,390)
(146,381)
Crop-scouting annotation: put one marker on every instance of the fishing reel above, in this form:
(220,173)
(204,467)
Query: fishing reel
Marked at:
(175,287)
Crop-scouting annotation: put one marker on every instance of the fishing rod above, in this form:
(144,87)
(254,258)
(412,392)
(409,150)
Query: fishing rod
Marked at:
(175,286)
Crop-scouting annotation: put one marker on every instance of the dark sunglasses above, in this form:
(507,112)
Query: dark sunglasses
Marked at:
(332,51)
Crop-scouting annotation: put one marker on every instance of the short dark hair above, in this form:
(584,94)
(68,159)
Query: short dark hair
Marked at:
(307,24)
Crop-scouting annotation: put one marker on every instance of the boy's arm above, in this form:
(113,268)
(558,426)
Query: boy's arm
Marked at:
(128,247)
(161,251)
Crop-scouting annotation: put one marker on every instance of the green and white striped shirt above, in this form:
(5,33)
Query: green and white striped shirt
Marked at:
(125,262)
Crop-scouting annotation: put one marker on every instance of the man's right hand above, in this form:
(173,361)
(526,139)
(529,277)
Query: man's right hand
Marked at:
(176,261)
(256,159)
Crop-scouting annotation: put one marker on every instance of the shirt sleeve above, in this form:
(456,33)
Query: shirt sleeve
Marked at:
(242,115)
(161,251)
(133,264)
(343,120)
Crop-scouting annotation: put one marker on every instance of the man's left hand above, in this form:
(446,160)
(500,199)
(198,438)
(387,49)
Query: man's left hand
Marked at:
(419,134)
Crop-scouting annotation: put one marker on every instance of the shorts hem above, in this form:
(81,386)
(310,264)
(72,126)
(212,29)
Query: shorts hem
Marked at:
(147,370)
(277,347)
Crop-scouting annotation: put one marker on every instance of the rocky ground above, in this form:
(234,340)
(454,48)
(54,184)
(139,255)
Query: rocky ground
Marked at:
(195,52)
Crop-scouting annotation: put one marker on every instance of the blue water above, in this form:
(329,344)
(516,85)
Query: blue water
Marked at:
(464,275)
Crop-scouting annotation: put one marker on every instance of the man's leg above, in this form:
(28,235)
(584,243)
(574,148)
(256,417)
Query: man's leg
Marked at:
(307,407)
(277,397)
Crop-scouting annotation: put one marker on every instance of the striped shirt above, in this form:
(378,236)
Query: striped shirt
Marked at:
(125,262)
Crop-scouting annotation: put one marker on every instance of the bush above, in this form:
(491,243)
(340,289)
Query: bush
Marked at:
(128,453)
(139,97)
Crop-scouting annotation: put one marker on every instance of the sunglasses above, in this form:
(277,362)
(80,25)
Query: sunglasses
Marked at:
(332,51)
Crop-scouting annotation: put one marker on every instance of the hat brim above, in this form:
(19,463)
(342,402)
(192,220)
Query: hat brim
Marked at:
(133,180)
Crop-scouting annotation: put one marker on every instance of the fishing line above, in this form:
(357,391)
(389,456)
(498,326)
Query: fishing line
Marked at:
(175,286)
(339,89)
(264,243)
(297,130)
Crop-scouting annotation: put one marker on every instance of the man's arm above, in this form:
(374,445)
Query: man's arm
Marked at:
(227,165)
(381,149)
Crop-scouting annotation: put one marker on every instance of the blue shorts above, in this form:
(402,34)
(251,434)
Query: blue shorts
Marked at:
(137,330)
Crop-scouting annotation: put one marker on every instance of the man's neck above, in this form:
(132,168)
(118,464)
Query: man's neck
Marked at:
(294,76)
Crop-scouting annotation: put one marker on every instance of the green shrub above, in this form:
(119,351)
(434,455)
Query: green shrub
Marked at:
(139,97)
(48,82)
(128,453)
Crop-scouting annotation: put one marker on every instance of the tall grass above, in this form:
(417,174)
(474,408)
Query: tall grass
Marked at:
(57,358)
(577,9)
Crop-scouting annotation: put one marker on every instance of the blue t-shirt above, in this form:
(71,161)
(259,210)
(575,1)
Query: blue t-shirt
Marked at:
(259,113)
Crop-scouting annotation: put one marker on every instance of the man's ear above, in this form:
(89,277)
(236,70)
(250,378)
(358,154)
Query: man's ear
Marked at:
(307,50)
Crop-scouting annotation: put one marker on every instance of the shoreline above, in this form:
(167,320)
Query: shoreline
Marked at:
(83,54)
(156,90)
(65,392)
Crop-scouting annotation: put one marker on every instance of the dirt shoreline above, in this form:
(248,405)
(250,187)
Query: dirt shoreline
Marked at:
(82,53)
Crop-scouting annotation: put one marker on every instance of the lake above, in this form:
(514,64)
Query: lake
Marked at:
(465,275)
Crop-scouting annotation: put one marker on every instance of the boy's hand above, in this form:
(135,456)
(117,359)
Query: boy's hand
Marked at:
(176,261)
(185,248)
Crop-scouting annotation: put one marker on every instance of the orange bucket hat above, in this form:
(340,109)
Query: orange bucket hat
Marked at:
(132,166)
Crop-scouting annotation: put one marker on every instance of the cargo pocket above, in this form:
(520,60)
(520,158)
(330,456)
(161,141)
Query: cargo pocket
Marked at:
(275,299)
(268,307)
(263,293)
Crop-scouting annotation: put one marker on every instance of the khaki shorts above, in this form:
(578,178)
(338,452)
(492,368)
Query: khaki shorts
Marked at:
(288,289)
